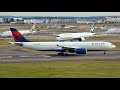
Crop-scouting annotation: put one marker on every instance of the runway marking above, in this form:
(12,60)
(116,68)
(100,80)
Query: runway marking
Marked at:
(26,56)
(6,57)
(36,56)
(45,56)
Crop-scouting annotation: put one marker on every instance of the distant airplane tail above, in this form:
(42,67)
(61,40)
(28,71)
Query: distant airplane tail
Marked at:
(44,21)
(92,28)
(33,29)
(17,36)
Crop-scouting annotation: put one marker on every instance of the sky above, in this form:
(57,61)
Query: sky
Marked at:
(79,14)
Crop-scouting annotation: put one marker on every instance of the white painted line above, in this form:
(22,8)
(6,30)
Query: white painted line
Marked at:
(6,57)
(24,56)
(46,56)
(36,56)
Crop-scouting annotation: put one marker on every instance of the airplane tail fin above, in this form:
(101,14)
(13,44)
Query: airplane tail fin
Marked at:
(92,28)
(44,21)
(33,29)
(17,36)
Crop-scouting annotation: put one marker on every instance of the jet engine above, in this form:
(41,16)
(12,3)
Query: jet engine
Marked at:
(81,51)
(81,39)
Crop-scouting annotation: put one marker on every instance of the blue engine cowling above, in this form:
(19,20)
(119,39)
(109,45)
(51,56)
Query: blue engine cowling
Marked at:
(81,51)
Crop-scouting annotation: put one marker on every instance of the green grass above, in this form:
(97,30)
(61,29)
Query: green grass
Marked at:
(66,69)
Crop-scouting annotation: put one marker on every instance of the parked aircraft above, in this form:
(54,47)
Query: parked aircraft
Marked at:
(108,32)
(42,22)
(75,36)
(84,22)
(62,47)
(113,31)
(62,27)
(23,32)
(70,27)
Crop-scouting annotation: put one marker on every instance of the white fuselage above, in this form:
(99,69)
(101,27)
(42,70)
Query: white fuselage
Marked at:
(53,46)
(113,31)
(70,36)
(9,34)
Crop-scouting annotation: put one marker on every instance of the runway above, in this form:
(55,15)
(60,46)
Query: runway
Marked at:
(14,54)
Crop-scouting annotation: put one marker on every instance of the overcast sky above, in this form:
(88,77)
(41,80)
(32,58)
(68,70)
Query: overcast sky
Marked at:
(60,14)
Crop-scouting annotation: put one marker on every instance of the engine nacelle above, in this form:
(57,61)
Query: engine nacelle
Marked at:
(81,51)
(81,39)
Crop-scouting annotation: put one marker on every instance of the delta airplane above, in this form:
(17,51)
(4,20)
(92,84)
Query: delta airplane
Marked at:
(76,36)
(23,32)
(61,47)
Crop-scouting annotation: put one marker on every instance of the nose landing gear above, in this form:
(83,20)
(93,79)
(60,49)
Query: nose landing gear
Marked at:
(104,52)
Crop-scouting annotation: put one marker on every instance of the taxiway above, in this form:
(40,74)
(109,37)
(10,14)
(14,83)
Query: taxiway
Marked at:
(12,54)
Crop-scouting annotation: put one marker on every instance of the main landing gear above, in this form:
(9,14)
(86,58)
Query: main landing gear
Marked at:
(63,54)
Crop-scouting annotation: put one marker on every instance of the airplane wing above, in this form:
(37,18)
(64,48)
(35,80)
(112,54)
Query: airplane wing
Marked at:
(17,43)
(67,47)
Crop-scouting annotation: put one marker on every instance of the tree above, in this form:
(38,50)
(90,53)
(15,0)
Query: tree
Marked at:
(17,19)
(11,20)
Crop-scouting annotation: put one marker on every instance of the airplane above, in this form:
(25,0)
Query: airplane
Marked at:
(23,32)
(61,47)
(108,32)
(70,27)
(84,22)
(43,22)
(75,36)
(113,31)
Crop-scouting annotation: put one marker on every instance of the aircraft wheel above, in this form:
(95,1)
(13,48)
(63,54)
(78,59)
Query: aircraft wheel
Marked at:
(104,52)
(66,54)
(61,54)
(58,53)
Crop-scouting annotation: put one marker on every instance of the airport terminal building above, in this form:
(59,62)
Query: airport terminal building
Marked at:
(58,20)
(61,20)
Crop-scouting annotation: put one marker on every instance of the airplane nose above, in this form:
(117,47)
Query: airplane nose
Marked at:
(113,46)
